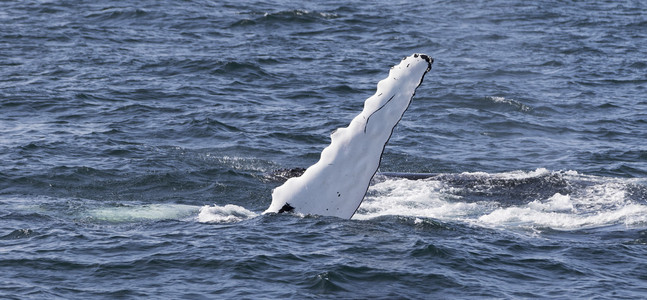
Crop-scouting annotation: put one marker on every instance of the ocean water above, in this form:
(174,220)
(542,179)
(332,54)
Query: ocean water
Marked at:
(140,143)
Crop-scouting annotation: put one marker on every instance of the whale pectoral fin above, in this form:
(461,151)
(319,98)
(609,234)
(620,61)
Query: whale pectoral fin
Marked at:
(337,183)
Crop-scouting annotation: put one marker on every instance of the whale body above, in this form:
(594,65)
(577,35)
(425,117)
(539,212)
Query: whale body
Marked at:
(337,183)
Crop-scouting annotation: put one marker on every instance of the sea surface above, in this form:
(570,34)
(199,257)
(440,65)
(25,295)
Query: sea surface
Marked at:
(140,142)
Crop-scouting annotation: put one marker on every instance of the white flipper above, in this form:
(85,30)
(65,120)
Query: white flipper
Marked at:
(337,183)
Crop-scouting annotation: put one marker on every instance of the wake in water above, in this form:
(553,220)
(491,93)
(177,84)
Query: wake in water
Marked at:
(526,200)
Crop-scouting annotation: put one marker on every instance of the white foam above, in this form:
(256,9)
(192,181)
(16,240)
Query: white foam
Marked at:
(229,213)
(556,203)
(415,198)
(510,175)
(631,214)
(593,202)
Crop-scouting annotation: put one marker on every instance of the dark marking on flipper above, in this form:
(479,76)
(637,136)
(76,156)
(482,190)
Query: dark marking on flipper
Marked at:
(286,208)
(383,105)
(429,60)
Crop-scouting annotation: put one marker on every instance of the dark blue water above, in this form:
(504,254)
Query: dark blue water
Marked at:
(139,143)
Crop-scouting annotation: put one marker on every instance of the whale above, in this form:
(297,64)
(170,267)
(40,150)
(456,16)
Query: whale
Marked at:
(337,183)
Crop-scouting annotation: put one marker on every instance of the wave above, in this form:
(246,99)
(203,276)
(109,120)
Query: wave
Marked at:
(297,16)
(124,14)
(18,234)
(511,102)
